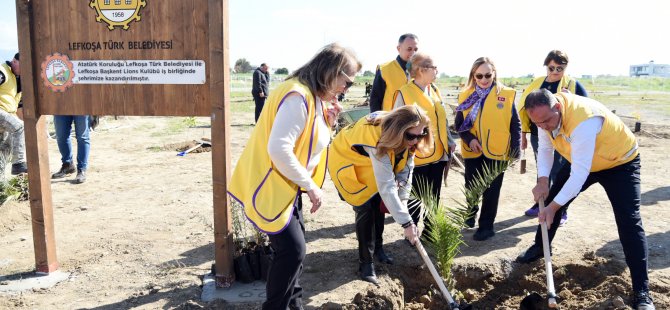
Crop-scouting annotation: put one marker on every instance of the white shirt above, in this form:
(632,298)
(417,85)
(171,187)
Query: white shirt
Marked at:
(289,124)
(583,144)
(393,189)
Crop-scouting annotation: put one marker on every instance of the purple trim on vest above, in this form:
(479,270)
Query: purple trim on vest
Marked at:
(282,229)
(253,199)
(304,100)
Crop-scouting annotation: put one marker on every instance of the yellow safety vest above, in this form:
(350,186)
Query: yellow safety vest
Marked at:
(352,171)
(267,196)
(566,82)
(9,96)
(413,95)
(395,77)
(615,144)
(492,124)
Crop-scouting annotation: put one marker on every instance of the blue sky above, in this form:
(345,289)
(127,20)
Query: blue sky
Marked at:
(600,37)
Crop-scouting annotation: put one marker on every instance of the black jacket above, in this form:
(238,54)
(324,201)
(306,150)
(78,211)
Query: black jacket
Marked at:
(261,83)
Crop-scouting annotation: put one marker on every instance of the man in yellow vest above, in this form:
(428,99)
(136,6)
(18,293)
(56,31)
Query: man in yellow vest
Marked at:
(600,149)
(10,124)
(390,76)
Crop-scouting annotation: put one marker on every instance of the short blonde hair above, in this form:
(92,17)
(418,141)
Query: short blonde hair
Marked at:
(417,62)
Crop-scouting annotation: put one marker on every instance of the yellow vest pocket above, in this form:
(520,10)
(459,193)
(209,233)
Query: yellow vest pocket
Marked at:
(273,195)
(346,177)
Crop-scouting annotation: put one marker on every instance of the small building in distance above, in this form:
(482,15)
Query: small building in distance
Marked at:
(650,69)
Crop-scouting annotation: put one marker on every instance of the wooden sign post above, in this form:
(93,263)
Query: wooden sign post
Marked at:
(124,57)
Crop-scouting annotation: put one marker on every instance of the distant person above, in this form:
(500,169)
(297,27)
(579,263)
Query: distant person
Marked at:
(489,127)
(599,148)
(372,161)
(10,98)
(260,88)
(286,156)
(63,126)
(392,75)
(389,78)
(555,81)
(430,164)
(368,89)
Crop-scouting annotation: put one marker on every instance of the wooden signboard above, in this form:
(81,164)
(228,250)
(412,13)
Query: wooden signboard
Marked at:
(124,57)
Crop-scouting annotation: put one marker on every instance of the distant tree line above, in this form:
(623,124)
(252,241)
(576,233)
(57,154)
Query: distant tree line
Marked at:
(242,65)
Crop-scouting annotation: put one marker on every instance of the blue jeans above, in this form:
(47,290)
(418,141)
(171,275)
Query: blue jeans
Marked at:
(63,124)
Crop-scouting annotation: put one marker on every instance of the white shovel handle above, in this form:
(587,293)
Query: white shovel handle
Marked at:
(551,291)
(436,276)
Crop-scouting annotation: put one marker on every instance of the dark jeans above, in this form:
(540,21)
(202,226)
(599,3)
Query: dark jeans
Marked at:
(283,286)
(369,222)
(622,186)
(260,102)
(474,167)
(429,175)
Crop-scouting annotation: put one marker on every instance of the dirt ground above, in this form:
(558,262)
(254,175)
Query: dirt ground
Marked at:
(138,234)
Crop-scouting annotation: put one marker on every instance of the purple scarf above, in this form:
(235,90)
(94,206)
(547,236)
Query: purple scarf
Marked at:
(477,99)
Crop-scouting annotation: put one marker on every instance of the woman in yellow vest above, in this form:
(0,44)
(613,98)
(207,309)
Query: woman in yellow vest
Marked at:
(371,161)
(488,124)
(286,156)
(555,81)
(429,167)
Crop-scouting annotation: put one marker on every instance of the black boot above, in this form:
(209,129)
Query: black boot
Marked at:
(367,273)
(533,253)
(381,256)
(66,169)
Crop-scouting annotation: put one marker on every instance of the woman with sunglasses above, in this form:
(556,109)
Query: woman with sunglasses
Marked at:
(286,156)
(555,81)
(371,161)
(429,167)
(489,127)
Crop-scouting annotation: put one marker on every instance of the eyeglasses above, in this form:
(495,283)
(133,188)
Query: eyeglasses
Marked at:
(350,81)
(430,67)
(557,68)
(479,76)
(411,137)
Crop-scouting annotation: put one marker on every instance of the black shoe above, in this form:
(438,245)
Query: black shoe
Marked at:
(19,168)
(642,301)
(381,257)
(367,273)
(483,234)
(532,254)
(66,169)
(81,177)
(470,222)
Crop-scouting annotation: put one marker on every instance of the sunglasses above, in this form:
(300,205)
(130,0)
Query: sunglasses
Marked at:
(411,137)
(479,76)
(350,81)
(557,68)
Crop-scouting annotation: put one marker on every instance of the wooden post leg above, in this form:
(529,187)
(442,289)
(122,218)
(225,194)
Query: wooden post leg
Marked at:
(41,209)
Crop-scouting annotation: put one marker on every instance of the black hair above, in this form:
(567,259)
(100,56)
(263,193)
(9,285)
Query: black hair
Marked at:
(406,36)
(538,98)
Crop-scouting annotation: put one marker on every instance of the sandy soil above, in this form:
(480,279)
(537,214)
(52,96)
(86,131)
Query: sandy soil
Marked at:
(138,234)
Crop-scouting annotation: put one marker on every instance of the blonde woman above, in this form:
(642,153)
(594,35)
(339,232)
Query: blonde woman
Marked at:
(285,156)
(372,161)
(488,124)
(429,166)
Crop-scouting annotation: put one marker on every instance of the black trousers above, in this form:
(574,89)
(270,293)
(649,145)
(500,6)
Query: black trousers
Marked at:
(260,102)
(283,286)
(425,177)
(473,168)
(369,223)
(622,186)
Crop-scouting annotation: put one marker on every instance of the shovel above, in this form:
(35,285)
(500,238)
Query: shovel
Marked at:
(452,304)
(534,300)
(199,143)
